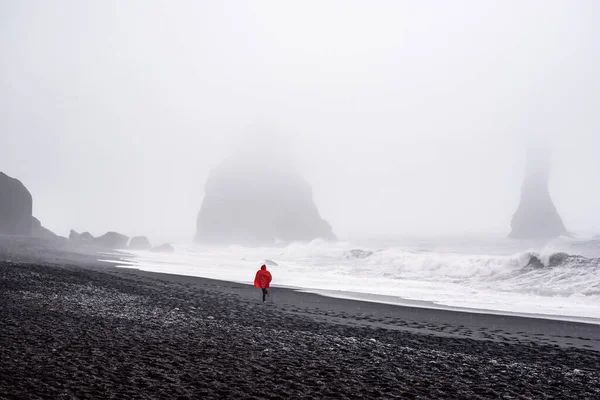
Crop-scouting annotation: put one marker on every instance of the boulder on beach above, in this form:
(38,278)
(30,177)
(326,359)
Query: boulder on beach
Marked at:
(111,240)
(536,217)
(16,206)
(163,248)
(139,243)
(260,199)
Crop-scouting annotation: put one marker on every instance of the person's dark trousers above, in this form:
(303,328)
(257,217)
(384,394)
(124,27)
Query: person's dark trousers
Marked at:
(265,294)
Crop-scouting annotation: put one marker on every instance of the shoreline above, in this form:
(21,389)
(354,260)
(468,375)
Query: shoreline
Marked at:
(384,299)
(399,301)
(437,321)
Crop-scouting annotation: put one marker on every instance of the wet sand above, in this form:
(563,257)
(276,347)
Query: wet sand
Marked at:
(505,328)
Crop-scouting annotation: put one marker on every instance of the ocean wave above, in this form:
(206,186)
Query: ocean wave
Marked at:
(550,280)
(358,253)
(547,272)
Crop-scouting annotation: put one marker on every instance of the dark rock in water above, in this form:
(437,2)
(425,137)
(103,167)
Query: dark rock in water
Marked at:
(536,217)
(16,206)
(556,260)
(271,263)
(163,248)
(535,262)
(111,240)
(259,199)
(37,230)
(559,259)
(358,253)
(139,243)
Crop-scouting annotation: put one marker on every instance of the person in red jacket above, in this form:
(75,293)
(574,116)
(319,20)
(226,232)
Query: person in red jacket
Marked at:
(263,281)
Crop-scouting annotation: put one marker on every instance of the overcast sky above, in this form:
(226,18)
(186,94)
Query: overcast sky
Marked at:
(407,117)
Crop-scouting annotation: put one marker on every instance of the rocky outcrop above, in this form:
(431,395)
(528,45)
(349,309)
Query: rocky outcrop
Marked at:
(16,206)
(557,260)
(536,217)
(163,248)
(86,236)
(258,199)
(80,237)
(139,243)
(37,230)
(111,240)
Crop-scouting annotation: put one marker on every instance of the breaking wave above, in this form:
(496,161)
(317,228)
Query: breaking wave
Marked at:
(545,273)
(498,277)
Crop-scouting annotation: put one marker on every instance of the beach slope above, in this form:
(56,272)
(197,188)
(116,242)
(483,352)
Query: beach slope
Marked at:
(93,331)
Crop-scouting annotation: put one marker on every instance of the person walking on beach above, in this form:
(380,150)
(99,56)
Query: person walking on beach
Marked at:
(263,281)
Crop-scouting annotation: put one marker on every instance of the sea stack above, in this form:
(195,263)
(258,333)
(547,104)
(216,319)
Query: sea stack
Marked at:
(536,217)
(258,199)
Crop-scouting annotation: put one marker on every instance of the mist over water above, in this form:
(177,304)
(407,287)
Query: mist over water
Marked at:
(405,117)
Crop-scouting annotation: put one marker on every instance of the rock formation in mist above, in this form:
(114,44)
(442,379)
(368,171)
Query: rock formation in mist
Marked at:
(86,236)
(74,235)
(258,199)
(80,237)
(111,240)
(37,230)
(139,243)
(536,217)
(15,207)
(163,248)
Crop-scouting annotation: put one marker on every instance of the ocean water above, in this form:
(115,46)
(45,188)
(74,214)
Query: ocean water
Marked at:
(560,279)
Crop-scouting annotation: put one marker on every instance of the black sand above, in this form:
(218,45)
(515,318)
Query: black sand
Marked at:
(89,331)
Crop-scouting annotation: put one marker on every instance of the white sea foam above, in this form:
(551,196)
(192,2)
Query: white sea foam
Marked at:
(492,276)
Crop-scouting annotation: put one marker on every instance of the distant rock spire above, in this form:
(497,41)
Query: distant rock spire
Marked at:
(536,217)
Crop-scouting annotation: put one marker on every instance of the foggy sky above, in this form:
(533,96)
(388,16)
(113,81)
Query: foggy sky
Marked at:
(407,117)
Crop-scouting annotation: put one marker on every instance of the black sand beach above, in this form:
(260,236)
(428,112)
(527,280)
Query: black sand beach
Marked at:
(84,330)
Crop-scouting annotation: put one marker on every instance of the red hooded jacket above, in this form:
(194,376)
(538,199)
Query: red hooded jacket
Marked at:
(263,278)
